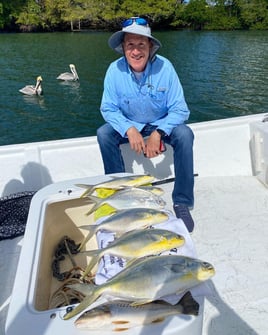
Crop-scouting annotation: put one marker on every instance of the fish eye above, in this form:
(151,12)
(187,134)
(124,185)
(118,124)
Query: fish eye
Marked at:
(207,266)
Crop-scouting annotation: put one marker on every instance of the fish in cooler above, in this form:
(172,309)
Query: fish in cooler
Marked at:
(126,220)
(136,244)
(149,279)
(128,198)
(120,315)
(118,183)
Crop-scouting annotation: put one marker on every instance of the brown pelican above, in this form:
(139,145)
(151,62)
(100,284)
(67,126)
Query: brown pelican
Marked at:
(67,76)
(33,90)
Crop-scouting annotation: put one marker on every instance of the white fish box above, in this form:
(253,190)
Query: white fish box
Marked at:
(29,310)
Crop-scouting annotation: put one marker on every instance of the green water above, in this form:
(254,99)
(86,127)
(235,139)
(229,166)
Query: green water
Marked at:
(224,74)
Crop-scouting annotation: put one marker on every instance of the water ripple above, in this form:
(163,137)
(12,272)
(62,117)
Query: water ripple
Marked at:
(224,74)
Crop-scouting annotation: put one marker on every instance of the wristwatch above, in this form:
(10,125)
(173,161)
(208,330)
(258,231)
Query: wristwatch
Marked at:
(161,132)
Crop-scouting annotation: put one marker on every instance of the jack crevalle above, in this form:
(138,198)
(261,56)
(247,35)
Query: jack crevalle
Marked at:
(126,220)
(150,279)
(129,198)
(120,316)
(118,183)
(137,244)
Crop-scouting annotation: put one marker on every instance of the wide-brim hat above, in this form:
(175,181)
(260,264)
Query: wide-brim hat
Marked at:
(115,41)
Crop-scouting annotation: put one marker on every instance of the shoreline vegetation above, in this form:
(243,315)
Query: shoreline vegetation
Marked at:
(79,15)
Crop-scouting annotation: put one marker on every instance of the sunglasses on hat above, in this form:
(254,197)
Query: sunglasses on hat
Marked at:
(138,20)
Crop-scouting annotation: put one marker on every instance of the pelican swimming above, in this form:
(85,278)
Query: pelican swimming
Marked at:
(33,90)
(67,76)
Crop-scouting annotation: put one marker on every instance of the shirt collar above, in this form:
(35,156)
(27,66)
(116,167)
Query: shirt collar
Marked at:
(146,72)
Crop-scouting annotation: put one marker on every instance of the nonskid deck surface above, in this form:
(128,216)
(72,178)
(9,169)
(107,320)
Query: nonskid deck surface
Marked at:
(231,232)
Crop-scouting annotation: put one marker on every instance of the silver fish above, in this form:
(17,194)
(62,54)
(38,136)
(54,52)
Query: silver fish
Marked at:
(126,220)
(129,198)
(137,244)
(153,189)
(118,183)
(120,316)
(150,279)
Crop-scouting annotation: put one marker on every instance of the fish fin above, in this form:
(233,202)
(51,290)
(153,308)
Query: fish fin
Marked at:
(85,289)
(87,301)
(120,322)
(140,302)
(189,304)
(158,320)
(98,202)
(120,329)
(132,261)
(95,254)
(83,185)
(87,192)
(92,229)
(105,192)
(103,210)
(89,189)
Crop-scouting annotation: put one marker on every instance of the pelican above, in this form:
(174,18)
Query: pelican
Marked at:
(33,90)
(67,76)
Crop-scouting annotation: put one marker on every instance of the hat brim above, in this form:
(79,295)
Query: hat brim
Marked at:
(115,41)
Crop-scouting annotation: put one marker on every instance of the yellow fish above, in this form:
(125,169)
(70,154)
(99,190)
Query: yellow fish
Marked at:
(126,220)
(149,279)
(118,183)
(136,244)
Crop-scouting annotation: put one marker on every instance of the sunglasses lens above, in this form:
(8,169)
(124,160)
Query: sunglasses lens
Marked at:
(139,20)
(127,23)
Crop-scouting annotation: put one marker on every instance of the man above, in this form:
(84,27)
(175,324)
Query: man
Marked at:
(143,97)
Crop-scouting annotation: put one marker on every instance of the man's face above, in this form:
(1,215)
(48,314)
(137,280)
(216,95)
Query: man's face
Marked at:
(137,51)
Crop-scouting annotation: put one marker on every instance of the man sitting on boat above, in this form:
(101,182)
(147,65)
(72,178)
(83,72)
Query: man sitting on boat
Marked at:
(143,98)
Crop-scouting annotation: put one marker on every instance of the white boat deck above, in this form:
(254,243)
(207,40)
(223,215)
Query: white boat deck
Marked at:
(231,233)
(230,213)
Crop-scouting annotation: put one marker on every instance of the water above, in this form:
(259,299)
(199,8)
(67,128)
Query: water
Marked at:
(224,74)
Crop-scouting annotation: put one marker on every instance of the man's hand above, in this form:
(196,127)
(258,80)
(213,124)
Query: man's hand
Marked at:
(136,140)
(153,145)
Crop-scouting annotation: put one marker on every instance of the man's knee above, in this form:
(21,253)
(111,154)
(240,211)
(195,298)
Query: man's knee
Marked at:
(183,133)
(104,131)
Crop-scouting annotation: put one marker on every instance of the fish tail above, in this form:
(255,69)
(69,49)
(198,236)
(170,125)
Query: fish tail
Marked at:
(92,229)
(87,192)
(87,301)
(95,256)
(98,202)
(189,304)
(89,189)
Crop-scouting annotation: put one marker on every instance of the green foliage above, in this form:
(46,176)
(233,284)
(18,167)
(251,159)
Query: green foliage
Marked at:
(29,15)
(197,13)
(253,14)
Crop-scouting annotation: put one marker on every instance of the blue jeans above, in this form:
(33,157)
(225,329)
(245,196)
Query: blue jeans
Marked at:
(181,139)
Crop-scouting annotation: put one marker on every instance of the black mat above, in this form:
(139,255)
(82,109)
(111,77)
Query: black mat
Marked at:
(14,210)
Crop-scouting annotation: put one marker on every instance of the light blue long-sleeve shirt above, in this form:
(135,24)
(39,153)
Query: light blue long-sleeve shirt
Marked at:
(156,99)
